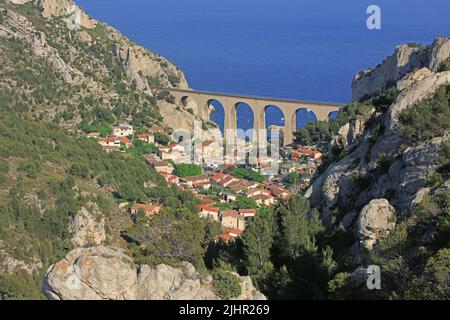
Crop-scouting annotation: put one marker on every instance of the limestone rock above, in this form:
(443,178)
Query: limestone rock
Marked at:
(107,273)
(374,222)
(9,264)
(92,274)
(417,91)
(18,27)
(142,65)
(412,78)
(406,59)
(88,226)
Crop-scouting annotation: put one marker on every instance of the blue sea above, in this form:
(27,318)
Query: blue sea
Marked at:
(299,49)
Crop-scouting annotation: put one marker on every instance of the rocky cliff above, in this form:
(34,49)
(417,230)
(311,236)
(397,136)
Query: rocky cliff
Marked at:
(406,59)
(107,273)
(382,177)
(93,61)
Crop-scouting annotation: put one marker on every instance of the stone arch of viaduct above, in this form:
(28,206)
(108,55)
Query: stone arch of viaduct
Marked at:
(203,99)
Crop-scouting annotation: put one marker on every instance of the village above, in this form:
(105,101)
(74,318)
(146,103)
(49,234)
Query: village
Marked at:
(230,193)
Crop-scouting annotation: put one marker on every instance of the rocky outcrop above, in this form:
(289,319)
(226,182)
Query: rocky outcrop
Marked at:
(348,133)
(424,85)
(374,222)
(408,175)
(406,59)
(144,69)
(88,226)
(18,27)
(9,264)
(408,171)
(61,8)
(107,273)
(142,66)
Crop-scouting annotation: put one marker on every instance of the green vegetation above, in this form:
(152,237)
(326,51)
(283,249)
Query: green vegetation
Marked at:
(55,167)
(445,66)
(414,266)
(248,174)
(172,236)
(140,148)
(280,250)
(162,139)
(242,202)
(427,119)
(226,284)
(173,79)
(184,170)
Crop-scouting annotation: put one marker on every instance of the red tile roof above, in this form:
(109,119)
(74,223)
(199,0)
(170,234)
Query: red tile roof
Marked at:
(161,164)
(231,213)
(201,184)
(247,211)
(207,208)
(232,230)
(148,208)
(218,176)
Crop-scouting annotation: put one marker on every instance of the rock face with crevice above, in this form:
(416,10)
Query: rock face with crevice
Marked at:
(88,226)
(375,221)
(405,59)
(107,273)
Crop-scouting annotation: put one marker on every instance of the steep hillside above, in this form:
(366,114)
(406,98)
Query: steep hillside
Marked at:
(387,181)
(59,64)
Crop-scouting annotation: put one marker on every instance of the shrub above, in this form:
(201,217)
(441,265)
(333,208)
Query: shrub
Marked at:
(445,66)
(173,79)
(184,170)
(427,119)
(383,163)
(227,285)
(4,166)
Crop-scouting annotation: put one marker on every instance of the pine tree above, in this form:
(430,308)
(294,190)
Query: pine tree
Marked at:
(257,244)
(299,227)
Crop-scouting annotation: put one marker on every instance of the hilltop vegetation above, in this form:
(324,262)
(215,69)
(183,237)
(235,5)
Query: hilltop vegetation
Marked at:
(47,176)
(100,94)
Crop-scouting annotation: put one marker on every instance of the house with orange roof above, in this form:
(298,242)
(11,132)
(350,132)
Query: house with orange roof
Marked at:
(156,129)
(148,209)
(278,191)
(263,199)
(163,166)
(225,182)
(170,178)
(146,137)
(255,192)
(209,212)
(114,143)
(247,213)
(228,235)
(196,182)
(232,219)
(218,177)
(205,200)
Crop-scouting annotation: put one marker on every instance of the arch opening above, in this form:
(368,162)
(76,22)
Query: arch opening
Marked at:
(244,121)
(274,119)
(217,113)
(303,117)
(333,115)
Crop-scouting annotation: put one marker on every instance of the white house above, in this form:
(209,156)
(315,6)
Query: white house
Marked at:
(123,130)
